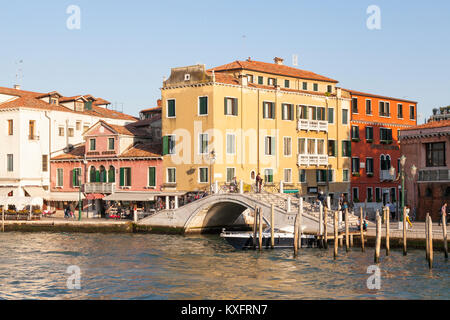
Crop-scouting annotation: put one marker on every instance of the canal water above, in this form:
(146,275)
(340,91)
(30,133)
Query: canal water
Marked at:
(148,266)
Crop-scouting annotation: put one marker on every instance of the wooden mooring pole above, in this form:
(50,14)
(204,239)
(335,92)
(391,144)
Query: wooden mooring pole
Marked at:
(427,242)
(260,229)
(378,239)
(300,217)
(430,241)
(388,229)
(3,219)
(404,232)
(347,239)
(325,227)
(296,232)
(272,227)
(336,235)
(361,228)
(255,224)
(444,235)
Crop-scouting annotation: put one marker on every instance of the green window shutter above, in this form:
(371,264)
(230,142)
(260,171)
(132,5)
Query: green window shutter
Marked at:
(74,178)
(203,105)
(165,145)
(225,106)
(97,176)
(152,176)
(122,176)
(111,176)
(343,148)
(235,106)
(272,151)
(171,108)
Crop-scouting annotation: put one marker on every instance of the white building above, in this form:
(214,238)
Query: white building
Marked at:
(33,127)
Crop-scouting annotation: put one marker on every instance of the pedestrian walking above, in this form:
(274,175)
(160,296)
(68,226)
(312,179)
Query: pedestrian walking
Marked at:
(443,212)
(258,183)
(407,217)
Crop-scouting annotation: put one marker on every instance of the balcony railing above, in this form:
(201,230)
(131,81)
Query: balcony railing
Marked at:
(434,175)
(99,187)
(385,175)
(312,125)
(307,160)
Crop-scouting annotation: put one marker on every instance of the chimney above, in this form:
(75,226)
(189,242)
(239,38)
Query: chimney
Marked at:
(244,79)
(278,61)
(17,86)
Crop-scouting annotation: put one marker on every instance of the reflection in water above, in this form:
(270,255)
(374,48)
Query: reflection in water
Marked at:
(143,266)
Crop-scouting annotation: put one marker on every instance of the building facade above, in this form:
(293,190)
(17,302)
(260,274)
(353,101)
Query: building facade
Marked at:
(375,123)
(250,117)
(427,151)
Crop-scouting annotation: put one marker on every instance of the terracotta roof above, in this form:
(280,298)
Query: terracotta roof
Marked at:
(129,129)
(272,68)
(67,99)
(32,99)
(354,92)
(142,150)
(152,109)
(75,153)
(429,125)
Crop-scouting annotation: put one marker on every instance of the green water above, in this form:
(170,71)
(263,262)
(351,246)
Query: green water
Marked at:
(145,266)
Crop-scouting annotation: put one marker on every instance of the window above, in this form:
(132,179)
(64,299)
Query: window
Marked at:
(85,128)
(302,176)
(270,146)
(70,132)
(400,111)
(125,177)
(385,162)
(312,146)
(10,162)
(231,143)
(168,144)
(203,143)
(385,135)
(78,125)
(203,175)
(250,78)
(61,131)
(203,106)
(355,165)
(384,109)
(344,116)
(369,134)
(76,177)
(271,81)
(369,196)
(435,154)
(368,106)
(93,175)
(355,194)
(377,194)
(171,108)
(287,175)
(321,176)
(315,87)
(345,177)
(287,146)
(332,148)
(112,174)
(268,175)
(92,146)
(354,105)
(330,115)
(10,127)
(31,130)
(231,106)
(171,175)
(329,88)
(260,80)
(59,177)
(355,133)
(231,173)
(44,163)
(320,113)
(305,85)
(302,112)
(301,145)
(369,165)
(110,143)
(346,148)
(152,176)
(287,111)
(320,146)
(330,175)
(286,83)
(268,110)
(411,113)
(313,112)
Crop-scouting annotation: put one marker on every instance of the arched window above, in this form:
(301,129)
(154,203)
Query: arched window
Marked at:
(383,162)
(111,174)
(388,162)
(92,174)
(102,174)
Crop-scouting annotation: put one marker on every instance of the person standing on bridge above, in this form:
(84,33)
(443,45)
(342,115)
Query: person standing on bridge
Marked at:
(258,183)
(443,213)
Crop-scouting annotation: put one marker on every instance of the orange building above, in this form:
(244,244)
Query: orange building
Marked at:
(375,124)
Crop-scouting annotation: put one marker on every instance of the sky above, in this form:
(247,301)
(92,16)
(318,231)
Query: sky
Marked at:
(123,49)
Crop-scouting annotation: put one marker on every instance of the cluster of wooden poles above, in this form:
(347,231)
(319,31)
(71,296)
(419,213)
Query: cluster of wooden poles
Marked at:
(338,240)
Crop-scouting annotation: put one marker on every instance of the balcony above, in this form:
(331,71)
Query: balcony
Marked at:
(312,125)
(434,175)
(99,187)
(308,160)
(386,176)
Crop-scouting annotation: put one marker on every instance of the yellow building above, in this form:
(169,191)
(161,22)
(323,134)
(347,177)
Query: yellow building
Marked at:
(251,117)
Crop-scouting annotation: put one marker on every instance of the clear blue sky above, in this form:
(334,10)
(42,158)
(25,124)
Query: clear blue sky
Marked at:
(125,48)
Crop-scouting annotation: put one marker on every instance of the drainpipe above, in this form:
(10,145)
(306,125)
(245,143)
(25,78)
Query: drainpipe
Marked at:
(49,146)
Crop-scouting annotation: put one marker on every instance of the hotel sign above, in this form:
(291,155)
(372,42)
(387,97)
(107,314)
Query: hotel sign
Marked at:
(384,147)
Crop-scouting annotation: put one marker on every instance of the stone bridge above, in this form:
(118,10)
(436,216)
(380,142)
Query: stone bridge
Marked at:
(217,211)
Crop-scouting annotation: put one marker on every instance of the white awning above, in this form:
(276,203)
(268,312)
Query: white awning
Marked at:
(63,196)
(130,196)
(35,192)
(5,190)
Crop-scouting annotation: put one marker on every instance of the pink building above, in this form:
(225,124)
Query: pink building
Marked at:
(427,148)
(116,163)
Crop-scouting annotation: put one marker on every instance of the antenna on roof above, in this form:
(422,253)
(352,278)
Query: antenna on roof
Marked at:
(122,107)
(295,60)
(19,73)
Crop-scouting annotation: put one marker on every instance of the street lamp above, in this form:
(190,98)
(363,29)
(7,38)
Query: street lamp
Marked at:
(401,175)
(212,158)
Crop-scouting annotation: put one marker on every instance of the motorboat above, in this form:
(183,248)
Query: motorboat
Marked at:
(284,239)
